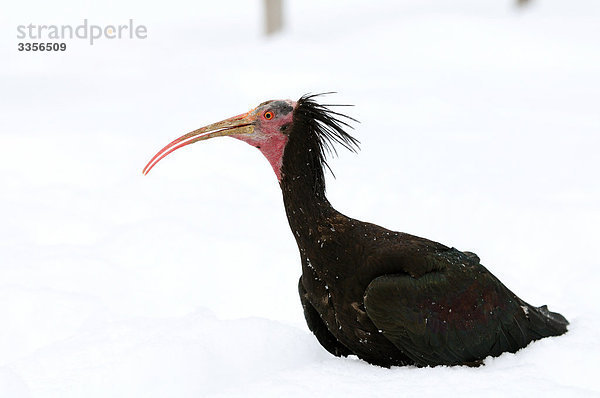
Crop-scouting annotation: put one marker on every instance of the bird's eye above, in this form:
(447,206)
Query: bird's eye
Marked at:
(268,115)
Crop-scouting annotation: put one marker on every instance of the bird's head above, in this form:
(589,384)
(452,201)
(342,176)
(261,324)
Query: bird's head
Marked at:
(269,127)
(265,127)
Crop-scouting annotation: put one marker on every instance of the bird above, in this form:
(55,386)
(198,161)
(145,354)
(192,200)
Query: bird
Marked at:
(386,297)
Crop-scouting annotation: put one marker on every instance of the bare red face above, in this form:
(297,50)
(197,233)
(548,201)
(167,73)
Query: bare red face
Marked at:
(266,127)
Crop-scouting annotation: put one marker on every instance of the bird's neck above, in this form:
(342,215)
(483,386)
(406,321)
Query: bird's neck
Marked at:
(303,188)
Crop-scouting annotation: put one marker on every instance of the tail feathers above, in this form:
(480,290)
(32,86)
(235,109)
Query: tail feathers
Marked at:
(544,323)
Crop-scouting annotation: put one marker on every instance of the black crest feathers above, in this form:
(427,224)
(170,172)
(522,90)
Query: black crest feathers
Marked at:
(326,127)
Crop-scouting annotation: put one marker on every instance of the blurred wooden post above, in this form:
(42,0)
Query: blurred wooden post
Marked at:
(273,16)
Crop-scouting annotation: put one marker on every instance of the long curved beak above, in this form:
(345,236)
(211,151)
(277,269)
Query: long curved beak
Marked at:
(240,124)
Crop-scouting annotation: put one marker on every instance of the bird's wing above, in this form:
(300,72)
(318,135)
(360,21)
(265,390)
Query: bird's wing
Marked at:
(457,312)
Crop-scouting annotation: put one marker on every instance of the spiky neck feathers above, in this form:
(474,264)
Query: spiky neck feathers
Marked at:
(315,132)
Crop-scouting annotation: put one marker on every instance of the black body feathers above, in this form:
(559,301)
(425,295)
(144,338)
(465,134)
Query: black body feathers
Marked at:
(388,297)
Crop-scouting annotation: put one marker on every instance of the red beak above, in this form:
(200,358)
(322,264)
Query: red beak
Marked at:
(240,124)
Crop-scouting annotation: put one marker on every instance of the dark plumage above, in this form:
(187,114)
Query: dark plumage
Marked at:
(388,297)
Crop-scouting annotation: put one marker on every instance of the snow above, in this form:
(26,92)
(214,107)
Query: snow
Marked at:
(479,129)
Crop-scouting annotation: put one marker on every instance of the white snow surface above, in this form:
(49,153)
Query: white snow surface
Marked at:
(480,129)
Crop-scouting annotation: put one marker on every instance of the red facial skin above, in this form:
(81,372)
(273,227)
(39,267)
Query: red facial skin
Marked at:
(268,138)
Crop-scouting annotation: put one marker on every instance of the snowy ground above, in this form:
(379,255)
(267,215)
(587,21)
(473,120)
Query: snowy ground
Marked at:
(480,128)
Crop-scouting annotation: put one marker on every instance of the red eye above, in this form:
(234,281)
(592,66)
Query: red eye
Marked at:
(268,115)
